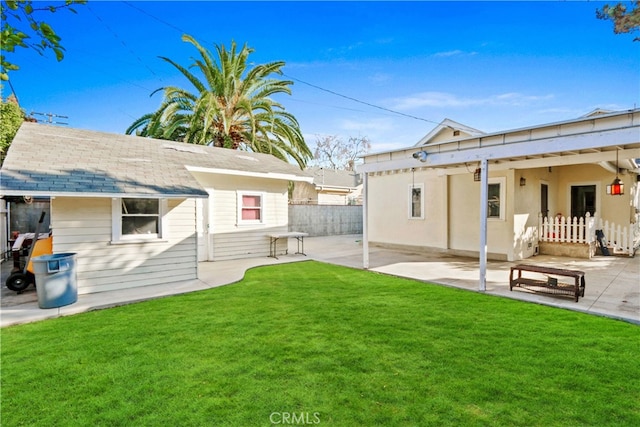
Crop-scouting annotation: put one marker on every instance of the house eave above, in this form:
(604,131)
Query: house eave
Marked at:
(54,194)
(268,175)
(335,189)
(506,132)
(599,141)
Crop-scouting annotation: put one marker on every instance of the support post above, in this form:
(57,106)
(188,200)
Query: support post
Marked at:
(484,207)
(365,222)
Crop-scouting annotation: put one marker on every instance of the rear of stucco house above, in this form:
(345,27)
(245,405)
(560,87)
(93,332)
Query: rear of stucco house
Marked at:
(549,170)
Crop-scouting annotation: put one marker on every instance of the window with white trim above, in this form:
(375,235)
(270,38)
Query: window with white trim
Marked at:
(137,218)
(496,199)
(250,208)
(416,201)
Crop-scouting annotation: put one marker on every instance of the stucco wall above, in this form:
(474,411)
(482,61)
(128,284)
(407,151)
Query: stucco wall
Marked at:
(452,206)
(527,206)
(338,199)
(464,217)
(452,213)
(617,209)
(388,202)
(573,250)
(303,192)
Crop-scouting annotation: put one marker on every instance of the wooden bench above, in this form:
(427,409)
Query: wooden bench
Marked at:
(273,240)
(550,285)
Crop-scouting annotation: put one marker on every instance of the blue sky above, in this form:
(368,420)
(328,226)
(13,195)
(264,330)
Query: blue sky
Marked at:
(489,65)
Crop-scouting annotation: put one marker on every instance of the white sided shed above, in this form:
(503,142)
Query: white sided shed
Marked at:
(139,211)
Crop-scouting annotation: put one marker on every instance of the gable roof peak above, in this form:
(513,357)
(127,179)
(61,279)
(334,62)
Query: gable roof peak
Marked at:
(598,112)
(447,130)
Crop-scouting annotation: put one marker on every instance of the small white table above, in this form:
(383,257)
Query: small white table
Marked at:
(273,240)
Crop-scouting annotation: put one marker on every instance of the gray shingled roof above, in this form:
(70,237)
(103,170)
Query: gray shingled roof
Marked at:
(50,160)
(333,177)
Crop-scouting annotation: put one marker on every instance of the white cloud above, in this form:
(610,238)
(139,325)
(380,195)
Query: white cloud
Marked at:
(341,50)
(310,64)
(456,52)
(384,40)
(444,99)
(378,129)
(377,147)
(560,111)
(378,78)
(366,127)
(448,53)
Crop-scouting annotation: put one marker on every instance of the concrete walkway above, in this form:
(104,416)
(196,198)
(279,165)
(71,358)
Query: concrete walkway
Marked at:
(612,283)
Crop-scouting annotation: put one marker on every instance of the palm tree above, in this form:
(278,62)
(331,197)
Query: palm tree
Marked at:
(231,107)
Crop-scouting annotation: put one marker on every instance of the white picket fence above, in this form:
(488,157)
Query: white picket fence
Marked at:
(622,240)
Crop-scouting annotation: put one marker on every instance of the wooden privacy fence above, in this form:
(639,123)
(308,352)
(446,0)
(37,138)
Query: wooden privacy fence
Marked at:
(326,220)
(560,229)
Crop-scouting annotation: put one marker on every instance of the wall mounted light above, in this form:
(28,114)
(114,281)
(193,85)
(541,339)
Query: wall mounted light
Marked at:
(523,181)
(420,155)
(476,174)
(616,188)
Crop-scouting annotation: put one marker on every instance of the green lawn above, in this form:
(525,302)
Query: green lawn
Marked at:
(311,343)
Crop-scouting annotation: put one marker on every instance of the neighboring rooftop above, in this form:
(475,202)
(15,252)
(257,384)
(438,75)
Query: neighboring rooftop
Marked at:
(334,177)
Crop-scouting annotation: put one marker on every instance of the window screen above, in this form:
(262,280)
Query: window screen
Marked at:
(140,216)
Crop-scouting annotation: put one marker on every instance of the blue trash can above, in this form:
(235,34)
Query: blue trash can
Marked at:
(56,279)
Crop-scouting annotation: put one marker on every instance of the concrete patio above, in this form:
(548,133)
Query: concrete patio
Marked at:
(612,283)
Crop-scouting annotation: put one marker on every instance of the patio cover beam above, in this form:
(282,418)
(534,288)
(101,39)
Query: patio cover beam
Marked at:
(552,146)
(543,162)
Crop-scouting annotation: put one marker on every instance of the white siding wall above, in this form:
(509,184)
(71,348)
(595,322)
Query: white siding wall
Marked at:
(83,226)
(202,224)
(230,240)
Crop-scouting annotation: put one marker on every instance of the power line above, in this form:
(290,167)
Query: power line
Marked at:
(294,78)
(359,101)
(122,42)
(168,24)
(357,110)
